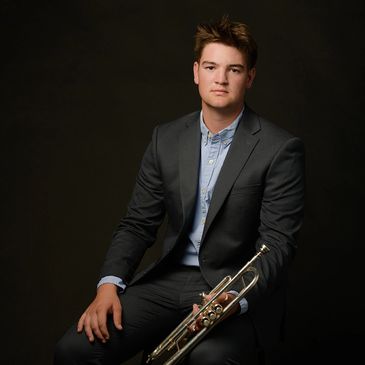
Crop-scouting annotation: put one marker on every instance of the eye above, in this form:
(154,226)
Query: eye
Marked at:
(210,68)
(236,70)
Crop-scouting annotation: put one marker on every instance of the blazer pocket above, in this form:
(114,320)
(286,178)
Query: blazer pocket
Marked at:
(246,189)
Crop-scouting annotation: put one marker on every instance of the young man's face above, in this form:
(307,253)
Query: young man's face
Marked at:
(222,76)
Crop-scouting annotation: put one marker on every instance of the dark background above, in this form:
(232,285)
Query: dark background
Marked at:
(85,82)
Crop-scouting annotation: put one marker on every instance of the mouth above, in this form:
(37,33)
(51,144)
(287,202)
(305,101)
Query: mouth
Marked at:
(219,91)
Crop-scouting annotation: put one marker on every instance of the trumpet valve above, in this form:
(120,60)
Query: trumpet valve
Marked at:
(212,315)
(218,309)
(205,321)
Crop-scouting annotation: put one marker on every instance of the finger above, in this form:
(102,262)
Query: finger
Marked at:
(88,330)
(80,323)
(224,298)
(193,327)
(196,326)
(102,327)
(117,316)
(195,308)
(95,328)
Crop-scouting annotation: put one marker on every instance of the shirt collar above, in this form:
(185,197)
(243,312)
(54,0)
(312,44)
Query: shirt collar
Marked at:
(225,134)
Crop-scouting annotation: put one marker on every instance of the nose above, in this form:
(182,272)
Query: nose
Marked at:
(221,77)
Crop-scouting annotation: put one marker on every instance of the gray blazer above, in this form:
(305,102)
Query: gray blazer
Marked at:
(258,198)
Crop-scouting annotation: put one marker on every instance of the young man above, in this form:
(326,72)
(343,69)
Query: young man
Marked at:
(229,181)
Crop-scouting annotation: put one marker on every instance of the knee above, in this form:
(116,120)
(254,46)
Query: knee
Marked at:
(68,350)
(61,353)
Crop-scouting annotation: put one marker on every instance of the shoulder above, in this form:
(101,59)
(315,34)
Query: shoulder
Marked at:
(266,130)
(166,136)
(270,138)
(263,127)
(178,125)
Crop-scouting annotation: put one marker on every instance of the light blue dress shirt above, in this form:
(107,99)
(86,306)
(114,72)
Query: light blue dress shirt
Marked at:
(214,149)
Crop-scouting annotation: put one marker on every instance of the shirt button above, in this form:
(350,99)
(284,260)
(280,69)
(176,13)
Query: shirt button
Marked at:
(203,220)
(204,190)
(210,162)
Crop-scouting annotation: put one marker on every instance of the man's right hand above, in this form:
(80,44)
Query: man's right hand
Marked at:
(93,320)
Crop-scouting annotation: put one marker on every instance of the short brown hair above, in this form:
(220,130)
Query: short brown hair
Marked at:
(227,32)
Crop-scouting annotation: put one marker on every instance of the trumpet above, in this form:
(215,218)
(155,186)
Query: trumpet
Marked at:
(182,339)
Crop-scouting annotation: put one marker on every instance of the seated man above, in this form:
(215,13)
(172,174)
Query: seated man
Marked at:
(229,181)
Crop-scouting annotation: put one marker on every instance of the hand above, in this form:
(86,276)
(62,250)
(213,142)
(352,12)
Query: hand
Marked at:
(223,299)
(93,320)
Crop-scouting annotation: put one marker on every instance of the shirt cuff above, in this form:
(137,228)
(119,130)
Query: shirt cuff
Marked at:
(113,280)
(243,302)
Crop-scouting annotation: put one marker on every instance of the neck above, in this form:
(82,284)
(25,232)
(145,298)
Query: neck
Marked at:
(216,120)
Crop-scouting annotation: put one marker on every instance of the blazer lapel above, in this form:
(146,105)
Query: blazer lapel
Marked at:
(189,161)
(243,144)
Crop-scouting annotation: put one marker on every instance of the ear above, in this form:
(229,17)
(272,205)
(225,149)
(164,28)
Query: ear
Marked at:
(251,77)
(195,71)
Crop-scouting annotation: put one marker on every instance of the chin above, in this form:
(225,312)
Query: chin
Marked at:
(221,106)
(218,103)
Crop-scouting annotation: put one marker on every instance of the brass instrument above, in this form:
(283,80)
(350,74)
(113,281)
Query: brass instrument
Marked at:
(182,339)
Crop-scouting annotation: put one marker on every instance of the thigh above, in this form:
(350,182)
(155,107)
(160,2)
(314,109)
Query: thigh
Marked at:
(148,314)
(231,342)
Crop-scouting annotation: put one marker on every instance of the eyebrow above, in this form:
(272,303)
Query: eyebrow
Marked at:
(239,65)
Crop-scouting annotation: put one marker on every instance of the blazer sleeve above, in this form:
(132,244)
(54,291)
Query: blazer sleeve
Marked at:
(281,217)
(138,229)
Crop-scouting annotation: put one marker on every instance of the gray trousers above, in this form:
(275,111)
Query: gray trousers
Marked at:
(152,308)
